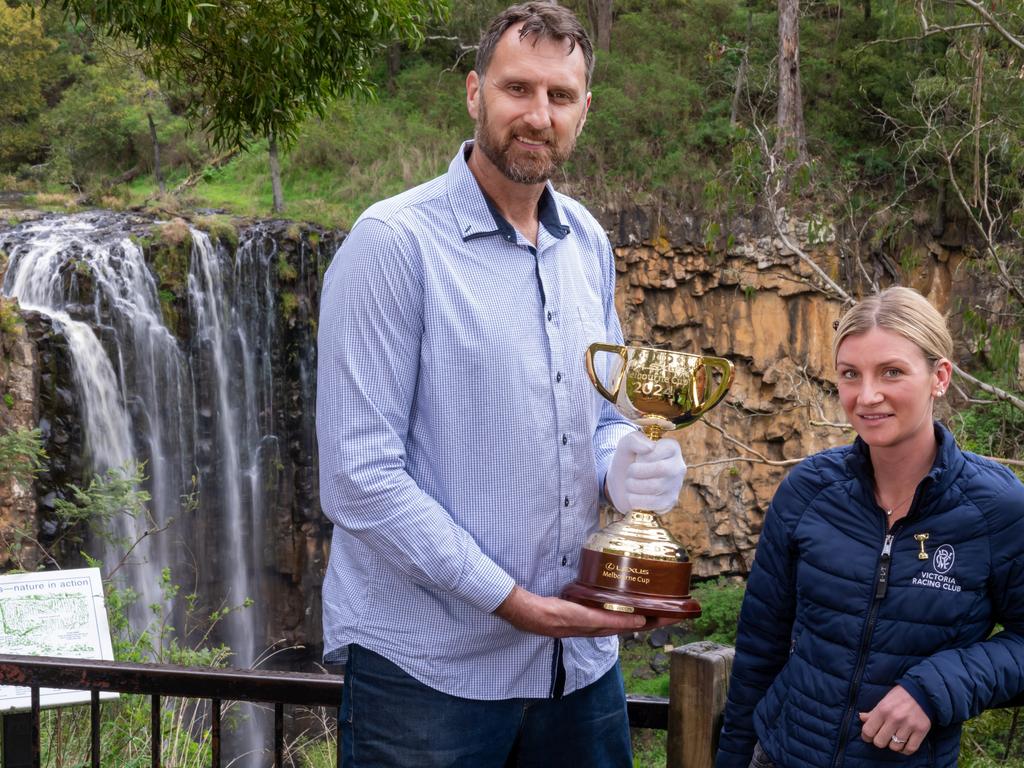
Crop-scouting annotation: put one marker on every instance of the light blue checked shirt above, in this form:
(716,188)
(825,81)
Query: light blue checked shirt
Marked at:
(462,446)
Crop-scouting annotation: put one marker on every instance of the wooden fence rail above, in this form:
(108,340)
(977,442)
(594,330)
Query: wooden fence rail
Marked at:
(691,715)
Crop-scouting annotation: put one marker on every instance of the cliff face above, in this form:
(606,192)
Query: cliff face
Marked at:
(754,301)
(746,297)
(18,411)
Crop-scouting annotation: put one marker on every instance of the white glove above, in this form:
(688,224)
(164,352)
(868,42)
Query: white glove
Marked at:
(645,474)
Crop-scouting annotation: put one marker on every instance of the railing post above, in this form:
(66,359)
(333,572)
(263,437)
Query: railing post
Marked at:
(17,738)
(698,680)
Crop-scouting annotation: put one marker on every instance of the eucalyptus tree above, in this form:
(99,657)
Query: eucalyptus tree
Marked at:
(258,68)
(791,138)
(23,46)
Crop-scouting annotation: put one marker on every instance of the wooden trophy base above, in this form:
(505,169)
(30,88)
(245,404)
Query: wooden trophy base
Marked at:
(633,585)
(678,608)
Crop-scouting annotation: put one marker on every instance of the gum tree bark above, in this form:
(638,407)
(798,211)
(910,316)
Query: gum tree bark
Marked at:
(791,140)
(600,13)
(156,154)
(275,175)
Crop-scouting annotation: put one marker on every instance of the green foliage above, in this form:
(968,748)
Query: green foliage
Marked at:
(100,127)
(990,428)
(23,47)
(21,454)
(289,304)
(649,748)
(720,609)
(222,228)
(986,739)
(998,346)
(10,317)
(170,255)
(116,492)
(125,723)
(259,69)
(635,659)
(661,97)
(286,272)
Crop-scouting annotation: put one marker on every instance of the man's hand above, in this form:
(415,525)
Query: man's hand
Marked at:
(896,722)
(645,474)
(554,617)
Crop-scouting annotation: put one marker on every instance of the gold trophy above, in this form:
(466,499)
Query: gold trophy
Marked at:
(634,565)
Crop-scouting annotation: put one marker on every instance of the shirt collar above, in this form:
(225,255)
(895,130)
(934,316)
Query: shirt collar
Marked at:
(476,214)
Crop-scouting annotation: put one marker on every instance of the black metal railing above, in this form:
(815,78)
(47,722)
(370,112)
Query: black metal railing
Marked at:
(214,685)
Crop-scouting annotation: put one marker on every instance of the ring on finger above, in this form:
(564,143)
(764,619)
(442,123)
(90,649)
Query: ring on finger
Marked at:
(898,741)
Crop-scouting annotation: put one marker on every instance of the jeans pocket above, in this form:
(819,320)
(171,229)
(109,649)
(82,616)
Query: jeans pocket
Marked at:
(760,758)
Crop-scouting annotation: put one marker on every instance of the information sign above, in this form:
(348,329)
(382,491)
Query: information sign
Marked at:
(53,613)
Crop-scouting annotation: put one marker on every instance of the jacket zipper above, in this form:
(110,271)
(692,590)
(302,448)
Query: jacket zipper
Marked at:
(881,587)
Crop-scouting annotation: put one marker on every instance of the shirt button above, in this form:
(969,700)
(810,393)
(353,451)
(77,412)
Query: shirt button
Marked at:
(565,560)
(549,317)
(558,377)
(565,439)
(567,501)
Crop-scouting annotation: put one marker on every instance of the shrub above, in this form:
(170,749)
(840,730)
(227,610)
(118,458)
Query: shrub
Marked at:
(720,603)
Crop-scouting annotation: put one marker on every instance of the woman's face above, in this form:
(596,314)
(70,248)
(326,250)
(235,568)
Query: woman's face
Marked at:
(887,387)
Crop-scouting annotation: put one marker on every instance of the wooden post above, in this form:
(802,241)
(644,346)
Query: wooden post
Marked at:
(698,680)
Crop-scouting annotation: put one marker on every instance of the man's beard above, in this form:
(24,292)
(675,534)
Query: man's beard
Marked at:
(522,168)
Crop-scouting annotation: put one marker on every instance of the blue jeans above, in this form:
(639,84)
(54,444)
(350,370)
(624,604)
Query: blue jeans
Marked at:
(391,720)
(760,759)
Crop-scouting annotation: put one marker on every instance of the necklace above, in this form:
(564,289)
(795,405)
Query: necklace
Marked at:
(890,510)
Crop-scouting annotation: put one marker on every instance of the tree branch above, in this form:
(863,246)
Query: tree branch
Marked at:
(996,392)
(993,22)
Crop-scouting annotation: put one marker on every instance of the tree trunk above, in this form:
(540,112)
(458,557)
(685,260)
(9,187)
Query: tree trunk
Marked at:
(867,10)
(977,90)
(791,142)
(156,154)
(275,175)
(600,13)
(741,73)
(394,60)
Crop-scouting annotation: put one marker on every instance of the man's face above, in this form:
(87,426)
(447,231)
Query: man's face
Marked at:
(529,107)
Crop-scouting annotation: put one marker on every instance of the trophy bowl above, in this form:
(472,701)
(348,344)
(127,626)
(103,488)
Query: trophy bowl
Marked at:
(634,565)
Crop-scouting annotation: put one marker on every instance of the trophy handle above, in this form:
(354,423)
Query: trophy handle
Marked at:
(592,373)
(725,367)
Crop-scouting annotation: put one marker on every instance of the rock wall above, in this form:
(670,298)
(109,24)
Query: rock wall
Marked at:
(18,410)
(753,300)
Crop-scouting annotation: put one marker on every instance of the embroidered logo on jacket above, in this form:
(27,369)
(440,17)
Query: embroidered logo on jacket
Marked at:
(939,578)
(943,558)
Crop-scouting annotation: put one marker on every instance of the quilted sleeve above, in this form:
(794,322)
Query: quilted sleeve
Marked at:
(765,626)
(959,683)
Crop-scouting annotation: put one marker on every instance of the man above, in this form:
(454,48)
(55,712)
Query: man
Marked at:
(463,449)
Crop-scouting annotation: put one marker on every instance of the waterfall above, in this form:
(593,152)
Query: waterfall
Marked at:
(233,313)
(199,411)
(229,311)
(130,378)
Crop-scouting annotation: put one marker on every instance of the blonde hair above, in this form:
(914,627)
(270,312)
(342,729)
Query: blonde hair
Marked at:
(903,311)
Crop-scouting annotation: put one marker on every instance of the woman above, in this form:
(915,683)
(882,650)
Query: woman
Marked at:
(864,637)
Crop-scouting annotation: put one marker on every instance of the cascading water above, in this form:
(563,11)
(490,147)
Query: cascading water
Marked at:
(199,410)
(233,311)
(129,373)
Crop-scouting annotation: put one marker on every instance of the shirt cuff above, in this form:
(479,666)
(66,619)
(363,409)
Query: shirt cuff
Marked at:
(485,585)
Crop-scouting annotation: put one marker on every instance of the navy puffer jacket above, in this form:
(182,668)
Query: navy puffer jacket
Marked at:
(830,622)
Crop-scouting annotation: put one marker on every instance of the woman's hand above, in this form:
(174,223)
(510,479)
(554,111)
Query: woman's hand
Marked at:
(896,722)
